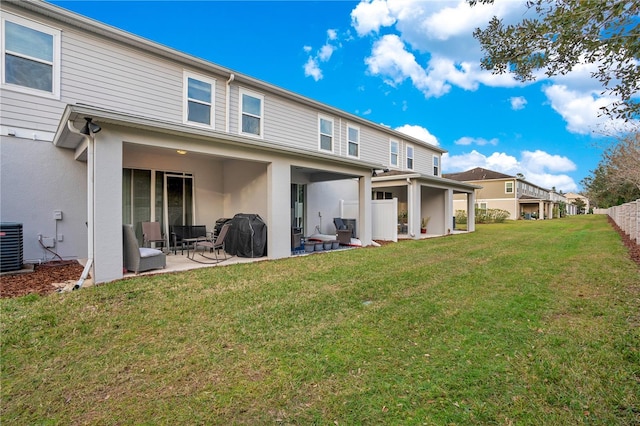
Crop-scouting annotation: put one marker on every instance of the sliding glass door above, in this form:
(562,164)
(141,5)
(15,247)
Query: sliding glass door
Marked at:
(151,195)
(179,204)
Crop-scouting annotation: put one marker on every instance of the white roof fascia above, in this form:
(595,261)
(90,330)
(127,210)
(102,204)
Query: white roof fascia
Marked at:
(73,112)
(442,182)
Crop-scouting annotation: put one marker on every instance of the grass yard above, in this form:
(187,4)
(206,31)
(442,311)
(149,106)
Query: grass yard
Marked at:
(524,323)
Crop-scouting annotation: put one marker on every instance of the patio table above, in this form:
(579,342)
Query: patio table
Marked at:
(191,244)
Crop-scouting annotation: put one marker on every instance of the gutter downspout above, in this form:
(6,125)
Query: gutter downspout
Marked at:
(228,95)
(90,156)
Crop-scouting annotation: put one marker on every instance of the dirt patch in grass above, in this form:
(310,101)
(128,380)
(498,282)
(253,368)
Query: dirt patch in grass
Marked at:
(40,280)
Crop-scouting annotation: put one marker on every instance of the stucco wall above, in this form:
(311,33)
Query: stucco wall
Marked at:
(36,179)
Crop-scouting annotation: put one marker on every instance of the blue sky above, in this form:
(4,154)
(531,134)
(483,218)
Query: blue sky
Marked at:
(412,65)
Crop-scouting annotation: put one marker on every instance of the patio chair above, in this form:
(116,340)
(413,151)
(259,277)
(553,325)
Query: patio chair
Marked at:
(139,259)
(151,233)
(213,245)
(180,234)
(343,232)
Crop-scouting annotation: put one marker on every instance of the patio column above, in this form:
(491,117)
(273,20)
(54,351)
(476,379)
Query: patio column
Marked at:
(413,208)
(278,209)
(541,210)
(104,174)
(471,211)
(448,211)
(365,221)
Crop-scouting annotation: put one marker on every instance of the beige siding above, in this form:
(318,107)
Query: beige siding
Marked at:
(493,189)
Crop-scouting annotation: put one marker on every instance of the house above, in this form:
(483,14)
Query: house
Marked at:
(572,200)
(521,198)
(99,128)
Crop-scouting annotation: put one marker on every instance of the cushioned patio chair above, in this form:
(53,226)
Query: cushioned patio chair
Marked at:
(151,233)
(139,259)
(213,245)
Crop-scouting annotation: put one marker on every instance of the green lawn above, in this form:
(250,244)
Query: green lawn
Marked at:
(529,322)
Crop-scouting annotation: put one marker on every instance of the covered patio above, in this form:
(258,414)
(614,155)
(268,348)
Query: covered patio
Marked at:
(178,175)
(420,199)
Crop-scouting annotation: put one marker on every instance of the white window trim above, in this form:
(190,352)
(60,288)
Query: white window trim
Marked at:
(243,91)
(505,187)
(333,133)
(397,163)
(56,34)
(412,157)
(185,108)
(350,126)
(436,158)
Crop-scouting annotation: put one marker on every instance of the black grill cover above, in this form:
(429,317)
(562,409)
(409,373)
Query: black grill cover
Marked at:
(247,236)
(219,223)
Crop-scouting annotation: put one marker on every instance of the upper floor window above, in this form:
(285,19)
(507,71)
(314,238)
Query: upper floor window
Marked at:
(326,133)
(30,57)
(251,113)
(394,152)
(508,187)
(436,165)
(353,140)
(199,95)
(409,157)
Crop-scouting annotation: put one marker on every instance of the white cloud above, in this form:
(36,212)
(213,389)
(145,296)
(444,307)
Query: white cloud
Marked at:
(517,103)
(582,110)
(538,167)
(312,66)
(395,64)
(369,16)
(443,23)
(311,69)
(466,140)
(418,132)
(430,45)
(537,161)
(325,52)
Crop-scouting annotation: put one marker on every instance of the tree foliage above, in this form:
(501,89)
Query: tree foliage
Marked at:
(623,160)
(616,180)
(561,34)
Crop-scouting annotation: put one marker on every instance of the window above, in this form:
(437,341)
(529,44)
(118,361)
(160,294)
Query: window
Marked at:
(199,94)
(353,141)
(481,206)
(508,187)
(251,113)
(394,150)
(326,134)
(380,195)
(409,157)
(30,57)
(436,165)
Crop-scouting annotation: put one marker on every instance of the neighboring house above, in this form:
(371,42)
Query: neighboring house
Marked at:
(571,200)
(522,199)
(100,127)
